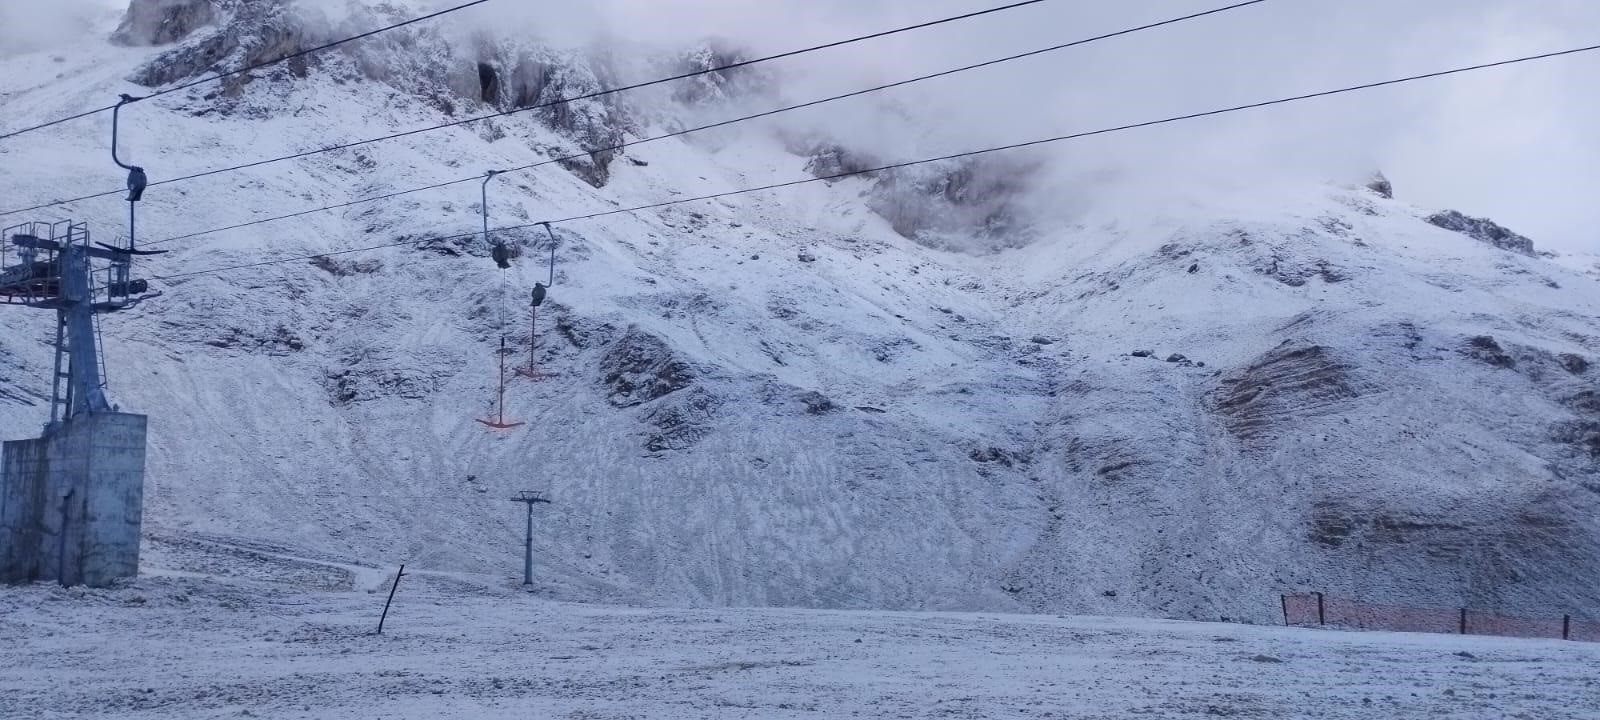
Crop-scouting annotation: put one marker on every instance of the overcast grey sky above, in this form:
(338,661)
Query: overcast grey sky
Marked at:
(1516,144)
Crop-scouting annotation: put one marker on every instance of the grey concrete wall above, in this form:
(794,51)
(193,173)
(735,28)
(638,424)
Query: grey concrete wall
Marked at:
(71,504)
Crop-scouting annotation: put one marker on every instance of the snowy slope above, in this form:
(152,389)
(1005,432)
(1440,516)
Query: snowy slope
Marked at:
(777,399)
(181,648)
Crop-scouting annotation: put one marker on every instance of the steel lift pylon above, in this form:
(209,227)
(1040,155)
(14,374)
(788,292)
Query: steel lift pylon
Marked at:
(54,266)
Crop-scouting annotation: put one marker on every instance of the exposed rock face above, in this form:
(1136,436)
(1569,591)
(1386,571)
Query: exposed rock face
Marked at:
(417,61)
(273,33)
(1484,230)
(679,423)
(640,368)
(511,79)
(945,205)
(830,160)
(1381,185)
(1486,349)
(816,403)
(161,22)
(1289,381)
(719,85)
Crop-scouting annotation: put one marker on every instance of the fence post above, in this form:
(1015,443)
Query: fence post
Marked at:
(1322,618)
(1284,600)
(1463,621)
(1566,627)
(392,588)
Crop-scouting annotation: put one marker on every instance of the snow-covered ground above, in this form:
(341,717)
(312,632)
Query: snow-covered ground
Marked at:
(187,647)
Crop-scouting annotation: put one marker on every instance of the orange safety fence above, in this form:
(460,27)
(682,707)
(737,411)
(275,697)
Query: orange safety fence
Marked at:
(1316,609)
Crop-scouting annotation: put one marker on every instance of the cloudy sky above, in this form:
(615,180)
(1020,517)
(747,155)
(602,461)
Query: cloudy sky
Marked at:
(1516,144)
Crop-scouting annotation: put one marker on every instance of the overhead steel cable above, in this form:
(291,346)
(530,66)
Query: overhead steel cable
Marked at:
(248,68)
(924,161)
(725,123)
(552,103)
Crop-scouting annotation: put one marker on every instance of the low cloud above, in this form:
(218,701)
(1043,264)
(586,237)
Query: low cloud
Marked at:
(1514,143)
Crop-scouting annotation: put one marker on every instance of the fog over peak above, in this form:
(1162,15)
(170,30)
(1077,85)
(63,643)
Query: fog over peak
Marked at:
(1512,143)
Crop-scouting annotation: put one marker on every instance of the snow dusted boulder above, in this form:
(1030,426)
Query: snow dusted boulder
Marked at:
(1483,230)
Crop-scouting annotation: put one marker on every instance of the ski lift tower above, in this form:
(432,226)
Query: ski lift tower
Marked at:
(71,500)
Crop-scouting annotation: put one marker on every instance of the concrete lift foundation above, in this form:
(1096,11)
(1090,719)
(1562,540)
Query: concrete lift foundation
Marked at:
(71,503)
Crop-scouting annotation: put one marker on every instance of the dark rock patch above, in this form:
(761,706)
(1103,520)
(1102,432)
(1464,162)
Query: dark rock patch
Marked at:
(1381,185)
(581,333)
(639,367)
(816,403)
(1575,364)
(1483,230)
(346,268)
(1484,349)
(682,422)
(998,456)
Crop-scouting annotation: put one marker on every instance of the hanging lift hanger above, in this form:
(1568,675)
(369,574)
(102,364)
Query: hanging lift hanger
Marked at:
(539,291)
(502,258)
(137,180)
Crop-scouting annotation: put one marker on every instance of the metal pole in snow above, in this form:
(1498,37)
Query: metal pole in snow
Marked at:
(392,588)
(502,403)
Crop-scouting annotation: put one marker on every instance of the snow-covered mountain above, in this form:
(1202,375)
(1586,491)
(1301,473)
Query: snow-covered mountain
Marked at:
(892,392)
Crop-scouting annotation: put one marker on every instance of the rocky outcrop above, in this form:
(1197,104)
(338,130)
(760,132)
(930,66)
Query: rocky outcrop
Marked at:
(830,160)
(163,22)
(640,367)
(681,422)
(971,204)
(247,34)
(1483,230)
(511,78)
(506,75)
(1289,381)
(1484,348)
(712,85)
(1381,185)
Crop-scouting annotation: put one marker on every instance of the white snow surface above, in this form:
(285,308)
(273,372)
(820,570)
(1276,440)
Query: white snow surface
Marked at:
(452,647)
(991,445)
